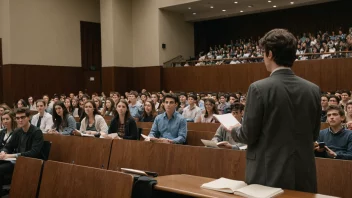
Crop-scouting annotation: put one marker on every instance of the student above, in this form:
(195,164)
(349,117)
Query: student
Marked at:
(149,112)
(31,104)
(155,99)
(21,103)
(123,124)
(93,123)
(191,112)
(337,139)
(324,106)
(64,123)
(135,107)
(26,141)
(2,110)
(169,127)
(42,119)
(109,108)
(210,110)
(9,122)
(68,105)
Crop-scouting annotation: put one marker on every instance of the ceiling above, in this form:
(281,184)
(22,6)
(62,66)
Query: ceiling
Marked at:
(201,10)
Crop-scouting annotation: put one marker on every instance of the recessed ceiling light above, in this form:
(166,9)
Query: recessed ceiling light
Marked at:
(224,10)
(292,2)
(194,13)
(250,6)
(269,1)
(241,11)
(211,6)
(236,2)
(189,8)
(274,6)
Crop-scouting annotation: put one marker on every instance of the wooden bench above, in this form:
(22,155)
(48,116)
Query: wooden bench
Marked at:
(26,177)
(86,151)
(69,180)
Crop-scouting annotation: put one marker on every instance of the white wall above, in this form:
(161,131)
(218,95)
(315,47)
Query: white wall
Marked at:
(177,34)
(47,32)
(107,32)
(122,23)
(5,30)
(167,3)
(145,33)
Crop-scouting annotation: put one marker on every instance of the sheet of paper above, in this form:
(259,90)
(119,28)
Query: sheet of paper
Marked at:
(209,143)
(227,120)
(146,138)
(224,185)
(243,147)
(113,135)
(10,159)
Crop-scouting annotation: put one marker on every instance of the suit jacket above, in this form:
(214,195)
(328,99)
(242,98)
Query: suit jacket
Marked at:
(281,122)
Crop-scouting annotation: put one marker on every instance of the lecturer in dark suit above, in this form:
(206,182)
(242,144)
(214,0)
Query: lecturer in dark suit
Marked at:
(281,120)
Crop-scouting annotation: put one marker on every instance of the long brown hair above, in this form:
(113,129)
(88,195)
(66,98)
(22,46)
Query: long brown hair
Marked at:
(153,113)
(12,115)
(127,114)
(212,101)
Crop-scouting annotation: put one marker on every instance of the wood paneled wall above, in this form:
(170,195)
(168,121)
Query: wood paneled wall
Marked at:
(21,81)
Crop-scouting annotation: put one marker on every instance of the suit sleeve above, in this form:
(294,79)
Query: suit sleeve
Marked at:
(251,127)
(317,119)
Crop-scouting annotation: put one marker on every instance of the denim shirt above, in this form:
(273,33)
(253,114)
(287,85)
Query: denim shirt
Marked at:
(136,110)
(174,129)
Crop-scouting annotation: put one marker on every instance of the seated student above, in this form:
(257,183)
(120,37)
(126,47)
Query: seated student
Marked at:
(93,123)
(42,119)
(135,107)
(345,97)
(75,107)
(31,104)
(337,139)
(109,108)
(348,112)
(191,112)
(149,113)
(27,141)
(98,103)
(334,100)
(210,109)
(324,106)
(155,99)
(222,106)
(183,102)
(64,123)
(221,135)
(169,127)
(68,105)
(8,120)
(123,124)
(21,103)
(2,110)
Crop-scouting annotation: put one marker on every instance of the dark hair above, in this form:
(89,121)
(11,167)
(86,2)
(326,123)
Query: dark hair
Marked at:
(127,114)
(24,104)
(173,96)
(23,110)
(335,107)
(215,109)
(153,113)
(70,109)
(41,100)
(183,94)
(337,98)
(324,95)
(346,91)
(116,93)
(99,100)
(112,108)
(13,117)
(237,107)
(134,93)
(56,118)
(86,96)
(282,44)
(192,96)
(95,110)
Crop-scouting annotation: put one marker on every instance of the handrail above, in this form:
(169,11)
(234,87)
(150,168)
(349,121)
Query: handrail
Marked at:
(170,62)
(256,58)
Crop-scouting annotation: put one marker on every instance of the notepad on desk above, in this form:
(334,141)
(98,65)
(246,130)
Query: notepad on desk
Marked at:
(227,120)
(241,188)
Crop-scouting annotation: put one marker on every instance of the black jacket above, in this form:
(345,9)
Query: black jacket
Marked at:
(131,132)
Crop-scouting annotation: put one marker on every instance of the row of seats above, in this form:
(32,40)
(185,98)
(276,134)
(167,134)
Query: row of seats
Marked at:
(168,159)
(34,178)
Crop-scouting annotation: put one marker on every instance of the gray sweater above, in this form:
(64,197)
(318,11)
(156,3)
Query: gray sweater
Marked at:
(222,135)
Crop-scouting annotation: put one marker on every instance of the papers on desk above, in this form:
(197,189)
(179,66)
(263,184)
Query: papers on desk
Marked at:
(146,138)
(9,159)
(209,143)
(241,188)
(227,120)
(83,134)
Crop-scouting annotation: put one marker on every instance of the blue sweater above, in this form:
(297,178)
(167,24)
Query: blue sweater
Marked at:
(340,142)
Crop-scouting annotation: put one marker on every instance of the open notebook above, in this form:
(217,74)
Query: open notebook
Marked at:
(241,188)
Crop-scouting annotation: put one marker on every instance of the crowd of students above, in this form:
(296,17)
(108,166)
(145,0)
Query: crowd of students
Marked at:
(248,50)
(22,134)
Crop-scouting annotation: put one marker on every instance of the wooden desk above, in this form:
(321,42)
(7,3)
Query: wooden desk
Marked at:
(194,137)
(25,178)
(86,151)
(68,180)
(189,185)
(168,159)
(212,127)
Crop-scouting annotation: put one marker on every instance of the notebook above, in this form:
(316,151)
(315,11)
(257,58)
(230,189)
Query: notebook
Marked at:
(241,188)
(227,120)
(83,134)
